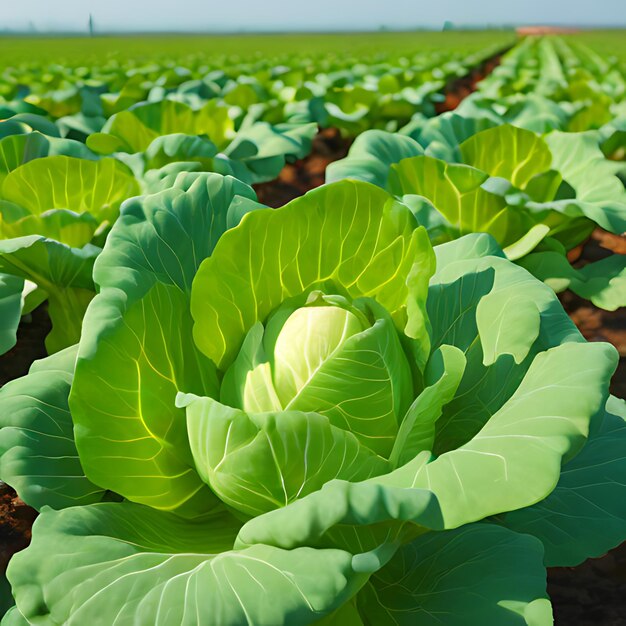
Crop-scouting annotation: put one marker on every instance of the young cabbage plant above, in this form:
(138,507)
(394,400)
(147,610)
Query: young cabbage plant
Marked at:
(57,201)
(307,415)
(161,139)
(539,197)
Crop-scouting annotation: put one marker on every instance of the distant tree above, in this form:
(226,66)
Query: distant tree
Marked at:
(448,25)
(91,26)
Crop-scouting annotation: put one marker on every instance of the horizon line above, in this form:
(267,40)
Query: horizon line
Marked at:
(296,31)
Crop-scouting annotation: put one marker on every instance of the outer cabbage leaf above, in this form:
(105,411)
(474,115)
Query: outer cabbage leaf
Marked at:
(60,225)
(134,129)
(530,111)
(473,296)
(79,126)
(16,150)
(535,112)
(25,123)
(472,246)
(600,195)
(179,147)
(586,513)
(474,575)
(456,192)
(508,152)
(371,155)
(368,518)
(7,604)
(38,456)
(442,135)
(259,151)
(157,568)
(64,273)
(10,310)
(76,184)
(138,344)
(544,420)
(603,282)
(168,131)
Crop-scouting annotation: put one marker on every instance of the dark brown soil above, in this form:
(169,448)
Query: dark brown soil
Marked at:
(594,323)
(305,174)
(16,520)
(592,594)
(462,87)
(598,325)
(31,334)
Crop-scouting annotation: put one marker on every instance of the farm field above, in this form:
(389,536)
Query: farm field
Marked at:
(313,329)
(608,43)
(74,51)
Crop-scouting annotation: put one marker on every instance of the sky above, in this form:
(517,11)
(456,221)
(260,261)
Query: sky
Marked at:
(259,15)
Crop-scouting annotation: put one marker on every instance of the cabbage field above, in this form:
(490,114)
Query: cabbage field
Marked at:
(313,329)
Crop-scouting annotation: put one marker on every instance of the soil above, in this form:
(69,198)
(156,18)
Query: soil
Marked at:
(594,323)
(598,325)
(459,89)
(16,520)
(305,174)
(31,334)
(591,594)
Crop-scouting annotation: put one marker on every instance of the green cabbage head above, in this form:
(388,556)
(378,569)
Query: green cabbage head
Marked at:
(308,415)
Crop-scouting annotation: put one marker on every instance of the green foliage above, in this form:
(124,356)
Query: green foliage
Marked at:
(537,196)
(360,408)
(11,288)
(298,401)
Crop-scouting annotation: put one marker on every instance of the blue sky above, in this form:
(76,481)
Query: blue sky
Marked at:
(302,14)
